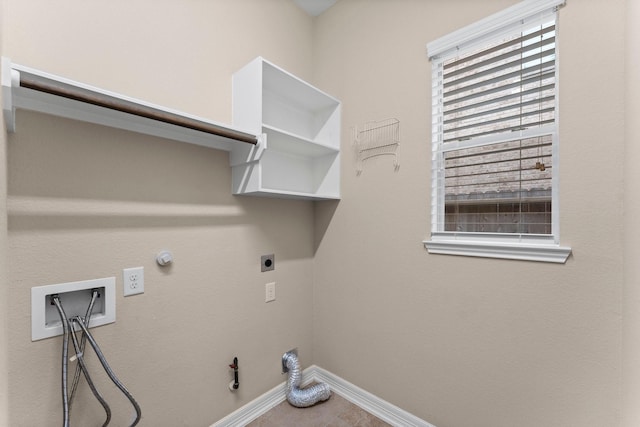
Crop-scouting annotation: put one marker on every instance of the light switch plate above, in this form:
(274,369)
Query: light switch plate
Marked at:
(270,292)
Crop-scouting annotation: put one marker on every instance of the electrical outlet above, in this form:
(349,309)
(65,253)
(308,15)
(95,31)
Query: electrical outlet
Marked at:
(133,279)
(270,292)
(267,262)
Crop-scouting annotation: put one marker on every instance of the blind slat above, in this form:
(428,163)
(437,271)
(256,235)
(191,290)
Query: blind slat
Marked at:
(500,150)
(517,84)
(485,123)
(545,100)
(501,99)
(545,65)
(502,57)
(506,129)
(486,51)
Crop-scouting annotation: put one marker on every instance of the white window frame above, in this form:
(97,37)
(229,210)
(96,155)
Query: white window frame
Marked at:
(532,247)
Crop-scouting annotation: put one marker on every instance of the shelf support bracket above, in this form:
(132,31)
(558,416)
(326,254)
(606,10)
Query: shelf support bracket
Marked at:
(10,78)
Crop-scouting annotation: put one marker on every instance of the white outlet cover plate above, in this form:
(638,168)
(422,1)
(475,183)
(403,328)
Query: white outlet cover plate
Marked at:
(133,281)
(39,327)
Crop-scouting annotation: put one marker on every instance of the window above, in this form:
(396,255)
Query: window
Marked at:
(495,137)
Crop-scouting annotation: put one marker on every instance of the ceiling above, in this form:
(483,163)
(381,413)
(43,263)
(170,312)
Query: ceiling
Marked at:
(315,7)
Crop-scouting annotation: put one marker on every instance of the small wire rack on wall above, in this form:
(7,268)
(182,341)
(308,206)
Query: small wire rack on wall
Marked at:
(379,138)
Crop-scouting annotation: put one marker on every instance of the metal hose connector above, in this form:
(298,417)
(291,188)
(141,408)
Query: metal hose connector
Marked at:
(302,397)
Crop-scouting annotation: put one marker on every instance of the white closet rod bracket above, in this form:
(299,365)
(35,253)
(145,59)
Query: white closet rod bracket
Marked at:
(29,89)
(10,78)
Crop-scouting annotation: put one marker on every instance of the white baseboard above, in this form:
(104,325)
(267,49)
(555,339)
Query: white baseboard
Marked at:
(359,397)
(252,410)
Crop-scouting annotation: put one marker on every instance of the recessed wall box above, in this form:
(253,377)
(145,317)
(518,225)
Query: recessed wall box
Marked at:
(267,262)
(75,298)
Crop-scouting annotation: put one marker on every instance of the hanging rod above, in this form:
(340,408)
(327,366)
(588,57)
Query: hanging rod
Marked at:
(139,110)
(38,91)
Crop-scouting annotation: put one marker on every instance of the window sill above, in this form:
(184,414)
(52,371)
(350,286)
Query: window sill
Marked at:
(517,247)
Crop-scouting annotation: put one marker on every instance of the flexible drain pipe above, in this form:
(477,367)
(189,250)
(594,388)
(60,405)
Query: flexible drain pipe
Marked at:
(302,397)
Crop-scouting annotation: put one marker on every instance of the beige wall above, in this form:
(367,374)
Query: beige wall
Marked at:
(4,321)
(631,389)
(172,345)
(465,342)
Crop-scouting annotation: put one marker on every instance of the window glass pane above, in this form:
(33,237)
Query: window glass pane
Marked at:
(500,188)
(530,218)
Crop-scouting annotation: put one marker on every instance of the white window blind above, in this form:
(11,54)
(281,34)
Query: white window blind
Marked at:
(503,87)
(494,107)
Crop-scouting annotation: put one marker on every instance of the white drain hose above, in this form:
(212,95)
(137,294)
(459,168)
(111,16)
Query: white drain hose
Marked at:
(302,397)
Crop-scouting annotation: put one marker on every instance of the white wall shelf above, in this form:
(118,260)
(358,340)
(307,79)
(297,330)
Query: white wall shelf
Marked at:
(284,142)
(299,153)
(31,89)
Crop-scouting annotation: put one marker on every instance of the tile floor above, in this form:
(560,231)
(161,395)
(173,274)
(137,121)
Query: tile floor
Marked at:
(335,412)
